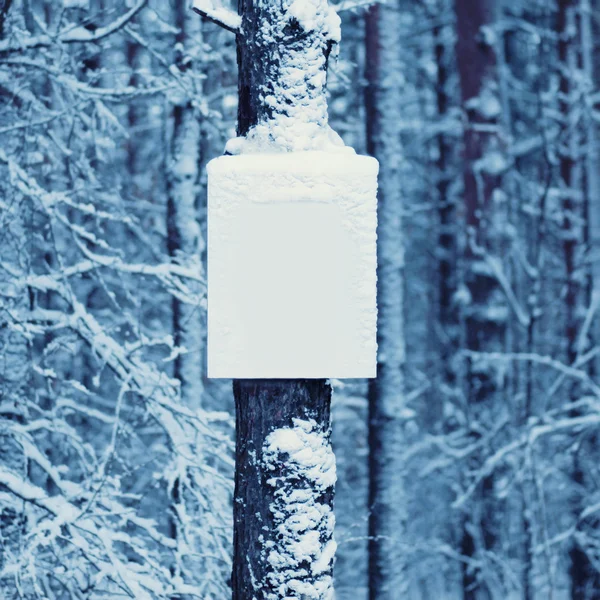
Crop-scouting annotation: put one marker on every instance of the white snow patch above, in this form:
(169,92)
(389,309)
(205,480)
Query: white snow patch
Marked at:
(315,15)
(303,552)
(305,12)
(76,3)
(493,163)
(219,13)
(462,296)
(486,103)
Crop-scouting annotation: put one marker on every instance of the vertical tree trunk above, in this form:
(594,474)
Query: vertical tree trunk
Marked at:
(484,327)
(271,490)
(263,566)
(446,206)
(513,60)
(569,169)
(184,237)
(585,580)
(591,69)
(185,244)
(447,250)
(387,501)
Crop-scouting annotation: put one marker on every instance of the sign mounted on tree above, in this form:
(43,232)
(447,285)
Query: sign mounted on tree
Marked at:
(292,265)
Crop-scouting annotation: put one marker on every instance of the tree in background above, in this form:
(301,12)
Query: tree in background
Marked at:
(585,579)
(484,311)
(387,498)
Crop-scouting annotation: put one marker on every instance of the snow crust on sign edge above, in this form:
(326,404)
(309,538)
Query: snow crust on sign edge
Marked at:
(306,162)
(308,176)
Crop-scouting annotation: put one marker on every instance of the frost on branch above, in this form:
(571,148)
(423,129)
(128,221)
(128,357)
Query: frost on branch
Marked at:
(218,14)
(300,558)
(111,484)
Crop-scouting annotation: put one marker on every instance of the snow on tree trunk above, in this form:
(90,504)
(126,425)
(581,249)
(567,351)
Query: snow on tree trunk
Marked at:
(184,234)
(185,246)
(282,57)
(302,466)
(285,472)
(387,498)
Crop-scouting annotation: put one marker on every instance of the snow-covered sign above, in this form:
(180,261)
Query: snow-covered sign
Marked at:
(292,265)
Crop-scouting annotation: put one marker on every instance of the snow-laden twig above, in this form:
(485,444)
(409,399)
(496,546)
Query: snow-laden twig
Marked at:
(496,267)
(529,437)
(72,83)
(224,17)
(74,34)
(170,274)
(88,534)
(564,369)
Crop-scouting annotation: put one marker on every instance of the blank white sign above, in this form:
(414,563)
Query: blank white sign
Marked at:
(292,266)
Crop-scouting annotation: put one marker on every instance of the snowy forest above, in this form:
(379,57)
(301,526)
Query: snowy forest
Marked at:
(469,468)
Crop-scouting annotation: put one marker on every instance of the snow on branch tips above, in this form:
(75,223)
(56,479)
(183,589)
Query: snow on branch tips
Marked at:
(218,14)
(75,34)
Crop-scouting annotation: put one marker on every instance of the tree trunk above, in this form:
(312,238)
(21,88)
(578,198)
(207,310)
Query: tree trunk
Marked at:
(263,407)
(591,69)
(184,237)
(387,501)
(272,491)
(185,245)
(585,580)
(484,325)
(446,207)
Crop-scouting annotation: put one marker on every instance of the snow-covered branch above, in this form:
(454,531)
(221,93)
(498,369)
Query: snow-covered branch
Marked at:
(349,5)
(224,17)
(74,34)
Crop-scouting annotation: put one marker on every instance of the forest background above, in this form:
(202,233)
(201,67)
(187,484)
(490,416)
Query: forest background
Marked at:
(117,453)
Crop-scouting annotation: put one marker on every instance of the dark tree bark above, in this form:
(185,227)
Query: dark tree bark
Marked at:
(387,502)
(184,237)
(446,208)
(585,579)
(484,331)
(263,406)
(4,8)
